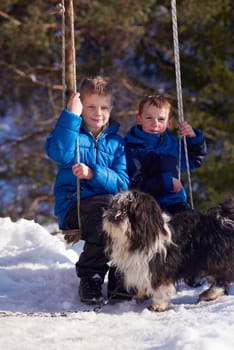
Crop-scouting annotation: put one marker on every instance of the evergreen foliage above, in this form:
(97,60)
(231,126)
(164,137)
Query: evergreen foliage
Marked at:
(130,41)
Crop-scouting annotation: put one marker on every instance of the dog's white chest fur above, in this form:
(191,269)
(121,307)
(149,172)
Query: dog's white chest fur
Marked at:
(133,265)
(135,268)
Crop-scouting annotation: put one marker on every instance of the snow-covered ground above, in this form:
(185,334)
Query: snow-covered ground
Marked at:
(37,274)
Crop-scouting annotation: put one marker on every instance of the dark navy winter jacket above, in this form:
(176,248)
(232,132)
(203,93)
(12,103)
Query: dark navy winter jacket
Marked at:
(105,155)
(153,160)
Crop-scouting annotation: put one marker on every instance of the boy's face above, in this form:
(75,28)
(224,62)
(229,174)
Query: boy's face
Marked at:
(96,111)
(154,120)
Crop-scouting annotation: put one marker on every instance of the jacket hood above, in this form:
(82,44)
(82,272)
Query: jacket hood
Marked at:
(137,135)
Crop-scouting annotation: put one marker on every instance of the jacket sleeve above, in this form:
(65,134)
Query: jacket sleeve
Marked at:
(197,151)
(61,143)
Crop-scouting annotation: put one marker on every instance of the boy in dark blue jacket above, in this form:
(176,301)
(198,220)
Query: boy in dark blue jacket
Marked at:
(102,172)
(153,153)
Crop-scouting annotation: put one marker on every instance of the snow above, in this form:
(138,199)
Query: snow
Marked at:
(37,274)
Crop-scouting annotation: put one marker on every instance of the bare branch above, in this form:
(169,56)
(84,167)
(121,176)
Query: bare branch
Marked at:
(25,138)
(35,203)
(19,23)
(36,81)
(10,18)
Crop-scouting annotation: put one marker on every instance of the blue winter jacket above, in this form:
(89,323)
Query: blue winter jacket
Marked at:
(105,155)
(153,160)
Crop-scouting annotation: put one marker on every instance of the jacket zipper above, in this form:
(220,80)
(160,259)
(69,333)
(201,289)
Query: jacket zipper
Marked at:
(95,140)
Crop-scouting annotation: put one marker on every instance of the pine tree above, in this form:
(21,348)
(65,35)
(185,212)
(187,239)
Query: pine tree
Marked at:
(130,41)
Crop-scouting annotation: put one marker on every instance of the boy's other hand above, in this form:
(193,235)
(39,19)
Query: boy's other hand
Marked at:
(185,129)
(74,104)
(177,185)
(82,171)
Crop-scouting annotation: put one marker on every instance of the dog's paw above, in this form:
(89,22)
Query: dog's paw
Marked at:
(212,293)
(157,307)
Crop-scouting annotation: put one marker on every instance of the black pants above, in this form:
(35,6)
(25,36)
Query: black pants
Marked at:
(93,259)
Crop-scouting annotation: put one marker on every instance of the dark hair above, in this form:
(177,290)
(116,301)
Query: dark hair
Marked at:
(95,85)
(155,100)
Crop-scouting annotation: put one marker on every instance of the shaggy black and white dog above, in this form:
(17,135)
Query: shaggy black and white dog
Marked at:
(154,252)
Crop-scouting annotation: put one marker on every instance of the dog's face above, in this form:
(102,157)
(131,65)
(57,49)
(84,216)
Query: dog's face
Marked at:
(135,217)
(224,212)
(119,207)
(116,216)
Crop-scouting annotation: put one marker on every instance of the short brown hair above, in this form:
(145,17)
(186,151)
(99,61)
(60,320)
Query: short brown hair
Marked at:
(95,85)
(155,100)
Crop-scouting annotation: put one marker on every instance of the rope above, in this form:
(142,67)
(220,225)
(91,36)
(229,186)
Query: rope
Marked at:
(74,89)
(73,235)
(179,96)
(73,45)
(63,54)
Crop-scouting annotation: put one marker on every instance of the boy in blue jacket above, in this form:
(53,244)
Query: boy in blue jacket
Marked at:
(153,153)
(102,172)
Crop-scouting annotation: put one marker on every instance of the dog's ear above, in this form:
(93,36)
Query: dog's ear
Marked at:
(146,220)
